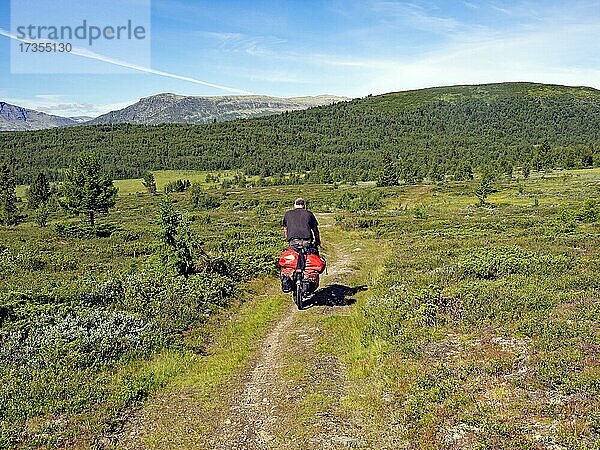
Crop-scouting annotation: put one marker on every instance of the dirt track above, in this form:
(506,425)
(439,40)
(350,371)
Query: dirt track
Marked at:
(288,395)
(262,410)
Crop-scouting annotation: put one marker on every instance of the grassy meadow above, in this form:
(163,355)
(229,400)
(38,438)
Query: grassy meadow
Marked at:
(479,327)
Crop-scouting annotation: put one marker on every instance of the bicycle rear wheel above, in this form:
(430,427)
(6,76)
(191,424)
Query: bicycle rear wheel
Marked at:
(298,293)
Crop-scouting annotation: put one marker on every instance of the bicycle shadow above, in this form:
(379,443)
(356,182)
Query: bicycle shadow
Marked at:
(335,295)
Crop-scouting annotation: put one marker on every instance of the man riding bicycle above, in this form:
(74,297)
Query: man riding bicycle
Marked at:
(301,228)
(301,263)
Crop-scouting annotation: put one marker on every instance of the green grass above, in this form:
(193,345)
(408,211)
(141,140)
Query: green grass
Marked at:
(163,177)
(201,379)
(439,357)
(479,328)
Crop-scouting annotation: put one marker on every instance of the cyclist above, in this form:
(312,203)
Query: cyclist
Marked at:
(301,228)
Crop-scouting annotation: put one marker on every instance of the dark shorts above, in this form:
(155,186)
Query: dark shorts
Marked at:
(308,245)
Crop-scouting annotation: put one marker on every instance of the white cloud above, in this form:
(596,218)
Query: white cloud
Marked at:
(416,16)
(239,42)
(470,5)
(552,50)
(59,105)
(535,55)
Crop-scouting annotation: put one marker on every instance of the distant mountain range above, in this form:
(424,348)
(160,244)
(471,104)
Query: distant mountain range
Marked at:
(172,108)
(17,118)
(166,108)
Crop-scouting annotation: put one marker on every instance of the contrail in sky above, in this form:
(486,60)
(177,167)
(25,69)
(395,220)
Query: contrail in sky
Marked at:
(91,55)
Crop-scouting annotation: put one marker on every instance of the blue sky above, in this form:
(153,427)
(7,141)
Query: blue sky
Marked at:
(342,47)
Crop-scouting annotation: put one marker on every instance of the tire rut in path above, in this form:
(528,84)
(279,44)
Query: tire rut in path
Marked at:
(258,408)
(253,411)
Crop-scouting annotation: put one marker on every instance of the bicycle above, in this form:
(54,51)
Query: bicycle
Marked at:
(300,288)
(303,277)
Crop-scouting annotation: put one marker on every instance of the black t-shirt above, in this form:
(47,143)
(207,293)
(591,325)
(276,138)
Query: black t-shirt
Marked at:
(300,224)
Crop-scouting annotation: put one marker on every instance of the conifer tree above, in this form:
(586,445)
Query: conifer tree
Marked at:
(149,182)
(388,176)
(8,196)
(87,189)
(39,192)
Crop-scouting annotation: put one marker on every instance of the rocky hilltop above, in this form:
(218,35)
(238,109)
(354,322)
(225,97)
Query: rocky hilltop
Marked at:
(172,108)
(17,118)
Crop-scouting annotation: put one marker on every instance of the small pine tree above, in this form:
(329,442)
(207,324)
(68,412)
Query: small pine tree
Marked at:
(542,157)
(436,173)
(176,239)
(388,176)
(87,189)
(41,215)
(409,173)
(149,182)
(326,177)
(505,167)
(38,192)
(8,196)
(485,188)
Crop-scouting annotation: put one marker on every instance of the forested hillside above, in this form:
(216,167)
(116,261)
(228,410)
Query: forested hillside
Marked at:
(428,133)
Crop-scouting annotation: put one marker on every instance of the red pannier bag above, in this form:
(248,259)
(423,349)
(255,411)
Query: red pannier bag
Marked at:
(314,263)
(287,271)
(288,259)
(313,277)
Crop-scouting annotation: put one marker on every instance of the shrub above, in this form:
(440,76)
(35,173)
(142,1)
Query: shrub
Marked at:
(202,200)
(360,201)
(177,186)
(173,301)
(403,316)
(420,212)
(565,221)
(491,263)
(353,222)
(177,240)
(87,338)
(84,231)
(589,212)
(41,215)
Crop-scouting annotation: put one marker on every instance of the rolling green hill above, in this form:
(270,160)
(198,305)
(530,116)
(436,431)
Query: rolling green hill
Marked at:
(428,132)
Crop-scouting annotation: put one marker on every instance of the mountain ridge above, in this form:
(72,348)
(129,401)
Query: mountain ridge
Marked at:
(18,118)
(174,108)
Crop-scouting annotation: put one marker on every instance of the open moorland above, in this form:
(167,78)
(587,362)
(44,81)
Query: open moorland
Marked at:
(444,321)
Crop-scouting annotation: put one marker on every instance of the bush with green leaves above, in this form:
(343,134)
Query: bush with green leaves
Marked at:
(85,231)
(202,200)
(494,262)
(177,240)
(177,186)
(86,337)
(172,301)
(354,201)
(589,211)
(405,315)
(149,182)
(485,188)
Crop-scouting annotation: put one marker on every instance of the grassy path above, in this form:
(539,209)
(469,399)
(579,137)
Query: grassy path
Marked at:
(268,381)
